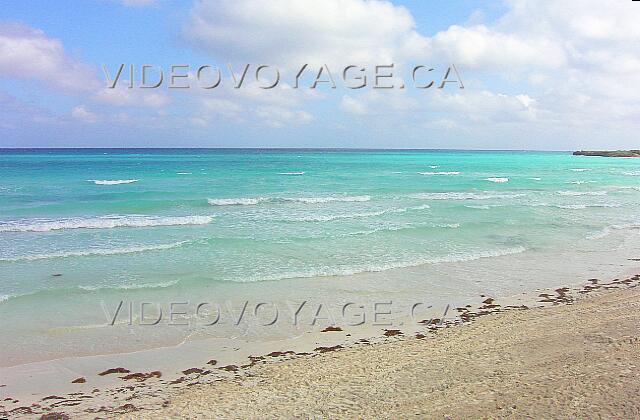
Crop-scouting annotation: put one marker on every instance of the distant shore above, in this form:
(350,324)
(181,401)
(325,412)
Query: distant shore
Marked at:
(608,153)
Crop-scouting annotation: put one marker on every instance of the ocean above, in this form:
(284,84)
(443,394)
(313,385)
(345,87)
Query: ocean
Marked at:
(82,230)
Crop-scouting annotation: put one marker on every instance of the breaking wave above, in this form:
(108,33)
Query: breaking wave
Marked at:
(103,222)
(305,200)
(130,286)
(94,252)
(577,193)
(112,182)
(440,173)
(461,196)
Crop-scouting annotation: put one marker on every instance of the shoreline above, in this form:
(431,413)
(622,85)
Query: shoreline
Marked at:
(569,360)
(123,390)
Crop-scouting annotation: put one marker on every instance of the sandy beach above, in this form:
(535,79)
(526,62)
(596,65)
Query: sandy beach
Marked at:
(558,353)
(578,359)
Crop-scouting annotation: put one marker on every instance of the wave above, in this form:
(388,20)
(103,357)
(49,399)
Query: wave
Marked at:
(291,173)
(479,207)
(362,215)
(305,200)
(498,180)
(131,286)
(571,206)
(398,228)
(103,222)
(95,252)
(461,196)
(609,230)
(329,272)
(580,169)
(536,179)
(316,200)
(112,182)
(184,173)
(234,201)
(581,182)
(632,173)
(330,218)
(440,173)
(578,193)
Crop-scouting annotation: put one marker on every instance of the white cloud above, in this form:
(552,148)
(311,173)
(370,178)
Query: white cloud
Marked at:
(353,106)
(27,53)
(481,47)
(289,33)
(81,113)
(279,117)
(122,96)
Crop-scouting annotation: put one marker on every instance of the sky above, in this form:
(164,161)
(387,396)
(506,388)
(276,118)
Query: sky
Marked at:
(543,75)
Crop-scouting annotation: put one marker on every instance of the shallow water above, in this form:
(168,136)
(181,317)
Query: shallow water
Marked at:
(81,230)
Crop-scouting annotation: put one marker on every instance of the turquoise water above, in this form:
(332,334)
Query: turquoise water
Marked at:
(108,222)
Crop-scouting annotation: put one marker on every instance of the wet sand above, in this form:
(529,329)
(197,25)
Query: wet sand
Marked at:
(571,359)
(559,353)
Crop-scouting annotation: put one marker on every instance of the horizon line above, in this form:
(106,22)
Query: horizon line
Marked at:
(290,148)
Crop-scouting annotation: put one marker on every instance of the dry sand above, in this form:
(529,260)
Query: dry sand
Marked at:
(566,361)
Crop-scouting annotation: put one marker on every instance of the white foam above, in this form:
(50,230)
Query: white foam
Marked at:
(103,222)
(184,173)
(572,206)
(330,218)
(578,193)
(479,207)
(536,179)
(131,286)
(632,173)
(291,173)
(304,200)
(498,180)
(440,173)
(422,207)
(581,182)
(580,169)
(461,196)
(329,199)
(112,182)
(453,258)
(235,201)
(610,229)
(95,252)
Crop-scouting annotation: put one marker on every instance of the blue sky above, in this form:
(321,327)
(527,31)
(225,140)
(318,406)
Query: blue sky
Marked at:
(555,76)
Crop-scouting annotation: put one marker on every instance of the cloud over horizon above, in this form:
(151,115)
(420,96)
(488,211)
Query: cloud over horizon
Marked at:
(542,75)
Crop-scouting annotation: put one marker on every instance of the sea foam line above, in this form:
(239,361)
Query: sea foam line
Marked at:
(440,173)
(95,252)
(577,193)
(452,258)
(251,201)
(346,216)
(461,196)
(497,180)
(103,222)
(130,286)
(112,181)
